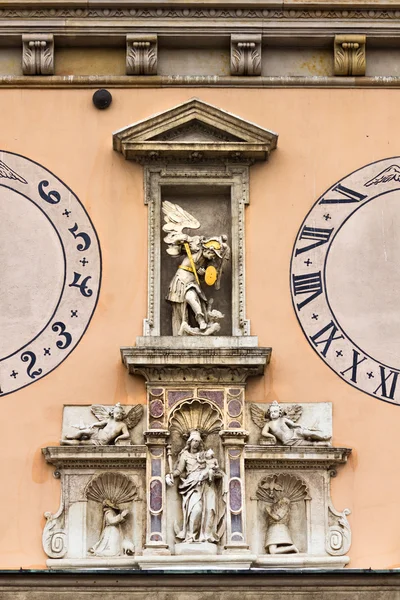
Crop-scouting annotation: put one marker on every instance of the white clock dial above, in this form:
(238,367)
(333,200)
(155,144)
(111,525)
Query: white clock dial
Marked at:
(50,271)
(345,278)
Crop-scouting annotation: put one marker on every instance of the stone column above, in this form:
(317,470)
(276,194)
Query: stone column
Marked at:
(156,530)
(233,442)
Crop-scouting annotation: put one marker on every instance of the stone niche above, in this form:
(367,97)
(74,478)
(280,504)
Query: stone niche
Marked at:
(200,479)
(196,157)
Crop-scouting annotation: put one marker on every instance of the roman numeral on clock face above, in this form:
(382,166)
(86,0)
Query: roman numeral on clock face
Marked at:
(347,196)
(388,384)
(353,368)
(318,235)
(310,283)
(330,330)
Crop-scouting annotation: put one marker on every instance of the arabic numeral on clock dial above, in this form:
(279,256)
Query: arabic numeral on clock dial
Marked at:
(31,358)
(83,288)
(52,197)
(60,328)
(84,236)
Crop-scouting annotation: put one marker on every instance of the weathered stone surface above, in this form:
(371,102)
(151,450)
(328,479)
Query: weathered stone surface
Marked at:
(222,586)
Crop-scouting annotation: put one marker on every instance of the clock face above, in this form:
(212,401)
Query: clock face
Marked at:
(345,278)
(50,271)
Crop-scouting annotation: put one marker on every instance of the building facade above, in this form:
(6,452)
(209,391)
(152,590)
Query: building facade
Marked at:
(199,257)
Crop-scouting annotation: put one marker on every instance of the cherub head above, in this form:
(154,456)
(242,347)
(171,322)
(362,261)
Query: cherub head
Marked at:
(118,412)
(209,453)
(274,411)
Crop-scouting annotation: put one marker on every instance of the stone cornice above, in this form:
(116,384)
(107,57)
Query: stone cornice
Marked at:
(56,12)
(78,457)
(196,81)
(295,457)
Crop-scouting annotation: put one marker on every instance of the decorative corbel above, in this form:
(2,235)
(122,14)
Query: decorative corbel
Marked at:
(141,54)
(349,55)
(245,54)
(38,54)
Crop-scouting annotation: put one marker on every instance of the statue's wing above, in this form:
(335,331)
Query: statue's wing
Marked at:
(134,416)
(176,219)
(258,415)
(392,173)
(7,173)
(100,412)
(294,412)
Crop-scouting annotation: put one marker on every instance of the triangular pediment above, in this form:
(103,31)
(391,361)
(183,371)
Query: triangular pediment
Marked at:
(194,127)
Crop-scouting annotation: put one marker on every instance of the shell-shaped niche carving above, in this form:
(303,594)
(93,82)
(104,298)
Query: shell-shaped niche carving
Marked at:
(274,487)
(111,488)
(195,414)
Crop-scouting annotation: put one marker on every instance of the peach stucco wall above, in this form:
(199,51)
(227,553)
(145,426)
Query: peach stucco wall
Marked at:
(323,135)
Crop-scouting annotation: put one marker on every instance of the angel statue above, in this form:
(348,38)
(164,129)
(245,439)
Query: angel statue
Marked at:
(111,430)
(279,426)
(203,257)
(279,492)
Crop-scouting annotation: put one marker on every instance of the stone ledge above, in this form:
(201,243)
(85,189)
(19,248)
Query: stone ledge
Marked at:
(279,584)
(194,81)
(198,355)
(78,457)
(290,457)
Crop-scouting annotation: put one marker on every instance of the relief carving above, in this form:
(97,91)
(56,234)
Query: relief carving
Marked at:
(246,55)
(279,427)
(349,55)
(338,539)
(112,491)
(111,429)
(54,537)
(38,54)
(141,54)
(279,492)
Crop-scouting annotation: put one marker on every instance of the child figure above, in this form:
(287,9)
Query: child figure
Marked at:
(287,432)
(212,464)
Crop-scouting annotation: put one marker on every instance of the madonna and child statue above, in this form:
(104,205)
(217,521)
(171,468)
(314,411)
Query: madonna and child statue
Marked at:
(202,487)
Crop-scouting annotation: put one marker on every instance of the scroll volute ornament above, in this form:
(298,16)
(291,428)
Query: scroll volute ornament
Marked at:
(349,55)
(38,54)
(141,54)
(246,54)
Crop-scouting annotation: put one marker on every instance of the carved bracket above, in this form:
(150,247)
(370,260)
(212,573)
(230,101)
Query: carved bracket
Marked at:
(349,55)
(338,538)
(54,538)
(38,54)
(246,54)
(141,54)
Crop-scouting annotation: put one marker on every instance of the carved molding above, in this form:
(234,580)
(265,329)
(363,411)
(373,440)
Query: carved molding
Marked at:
(141,54)
(349,55)
(246,54)
(180,365)
(159,12)
(38,54)
(147,141)
(288,457)
(96,457)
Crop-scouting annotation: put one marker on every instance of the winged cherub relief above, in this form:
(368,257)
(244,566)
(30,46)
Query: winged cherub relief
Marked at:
(111,429)
(203,258)
(279,427)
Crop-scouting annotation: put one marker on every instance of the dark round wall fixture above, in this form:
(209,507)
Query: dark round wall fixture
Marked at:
(102,99)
